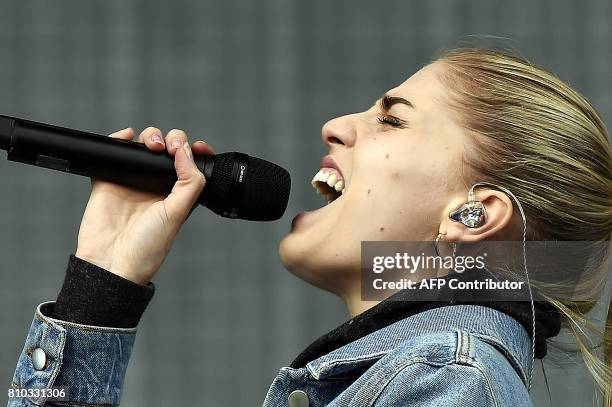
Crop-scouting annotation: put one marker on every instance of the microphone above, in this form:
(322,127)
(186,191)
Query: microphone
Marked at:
(237,185)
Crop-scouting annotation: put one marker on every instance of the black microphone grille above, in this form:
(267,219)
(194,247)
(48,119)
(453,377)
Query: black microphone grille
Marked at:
(247,188)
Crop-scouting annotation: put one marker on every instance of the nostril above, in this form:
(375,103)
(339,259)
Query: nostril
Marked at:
(334,140)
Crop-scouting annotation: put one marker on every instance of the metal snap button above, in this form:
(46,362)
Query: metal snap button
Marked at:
(298,398)
(39,359)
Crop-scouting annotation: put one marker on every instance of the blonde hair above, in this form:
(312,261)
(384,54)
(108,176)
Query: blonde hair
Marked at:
(536,136)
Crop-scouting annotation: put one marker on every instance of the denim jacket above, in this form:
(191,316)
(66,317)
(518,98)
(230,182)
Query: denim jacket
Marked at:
(457,355)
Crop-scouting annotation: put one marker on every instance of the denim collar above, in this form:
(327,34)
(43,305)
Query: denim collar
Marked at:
(493,326)
(405,304)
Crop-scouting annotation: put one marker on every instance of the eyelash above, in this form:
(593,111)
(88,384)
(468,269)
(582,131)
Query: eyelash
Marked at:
(392,121)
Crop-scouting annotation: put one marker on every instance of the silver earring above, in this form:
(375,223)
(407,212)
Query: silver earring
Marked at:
(437,244)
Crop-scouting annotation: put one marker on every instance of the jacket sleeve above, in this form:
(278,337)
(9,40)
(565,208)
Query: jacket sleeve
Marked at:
(82,343)
(88,362)
(447,385)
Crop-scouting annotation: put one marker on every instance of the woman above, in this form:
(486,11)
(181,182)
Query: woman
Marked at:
(394,172)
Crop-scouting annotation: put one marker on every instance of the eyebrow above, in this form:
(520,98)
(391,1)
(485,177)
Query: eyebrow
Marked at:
(386,101)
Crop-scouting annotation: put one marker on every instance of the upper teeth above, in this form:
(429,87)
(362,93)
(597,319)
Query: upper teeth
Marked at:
(331,178)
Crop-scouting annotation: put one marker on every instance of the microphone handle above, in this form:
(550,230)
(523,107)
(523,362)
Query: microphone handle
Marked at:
(92,155)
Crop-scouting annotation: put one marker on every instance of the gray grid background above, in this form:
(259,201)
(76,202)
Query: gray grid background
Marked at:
(261,77)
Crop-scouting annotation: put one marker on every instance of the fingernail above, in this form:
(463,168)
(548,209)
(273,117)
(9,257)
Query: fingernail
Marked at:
(156,138)
(177,143)
(188,150)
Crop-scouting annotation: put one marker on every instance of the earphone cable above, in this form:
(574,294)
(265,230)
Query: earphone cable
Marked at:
(533,321)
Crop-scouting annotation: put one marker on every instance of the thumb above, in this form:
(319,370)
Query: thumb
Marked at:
(187,188)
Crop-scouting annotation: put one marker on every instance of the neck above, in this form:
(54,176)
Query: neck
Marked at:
(350,293)
(354,303)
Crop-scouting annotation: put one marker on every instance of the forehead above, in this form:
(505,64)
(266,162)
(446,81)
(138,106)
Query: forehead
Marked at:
(423,89)
(432,114)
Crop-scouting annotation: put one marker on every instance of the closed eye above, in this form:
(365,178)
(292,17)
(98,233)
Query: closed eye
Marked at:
(392,121)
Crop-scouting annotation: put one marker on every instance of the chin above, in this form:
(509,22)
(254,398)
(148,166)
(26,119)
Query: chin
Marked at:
(294,254)
(319,265)
(300,260)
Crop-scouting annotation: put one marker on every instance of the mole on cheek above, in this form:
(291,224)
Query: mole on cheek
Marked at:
(382,229)
(387,156)
(369,190)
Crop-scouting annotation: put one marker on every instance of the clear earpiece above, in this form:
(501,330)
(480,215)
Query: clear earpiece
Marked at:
(471,214)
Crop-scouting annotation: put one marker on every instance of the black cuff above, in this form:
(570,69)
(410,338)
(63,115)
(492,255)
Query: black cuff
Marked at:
(92,295)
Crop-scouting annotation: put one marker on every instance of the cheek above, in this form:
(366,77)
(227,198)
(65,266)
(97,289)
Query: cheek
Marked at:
(397,188)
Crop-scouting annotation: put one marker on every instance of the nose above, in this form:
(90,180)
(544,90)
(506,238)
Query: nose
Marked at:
(339,132)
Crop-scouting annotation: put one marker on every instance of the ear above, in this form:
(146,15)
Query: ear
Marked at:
(498,215)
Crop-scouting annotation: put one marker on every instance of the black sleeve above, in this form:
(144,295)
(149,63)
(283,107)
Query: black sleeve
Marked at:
(94,296)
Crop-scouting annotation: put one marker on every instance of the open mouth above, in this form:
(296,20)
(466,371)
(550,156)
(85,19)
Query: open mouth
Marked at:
(328,183)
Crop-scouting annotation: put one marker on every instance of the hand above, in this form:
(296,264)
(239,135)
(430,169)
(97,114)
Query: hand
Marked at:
(130,232)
